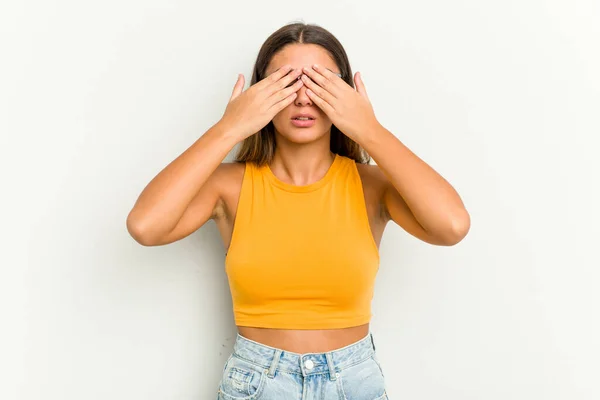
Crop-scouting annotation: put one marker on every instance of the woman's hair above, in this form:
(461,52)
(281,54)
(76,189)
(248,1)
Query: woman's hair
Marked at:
(260,147)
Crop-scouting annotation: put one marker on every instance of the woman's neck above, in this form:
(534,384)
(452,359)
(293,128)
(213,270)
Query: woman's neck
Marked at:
(302,164)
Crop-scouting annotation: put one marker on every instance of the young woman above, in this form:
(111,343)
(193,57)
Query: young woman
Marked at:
(301,212)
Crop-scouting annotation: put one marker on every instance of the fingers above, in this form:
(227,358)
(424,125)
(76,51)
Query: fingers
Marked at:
(283,93)
(274,77)
(277,107)
(322,104)
(324,78)
(360,85)
(238,87)
(321,92)
(286,82)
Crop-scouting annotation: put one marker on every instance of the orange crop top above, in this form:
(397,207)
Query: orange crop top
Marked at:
(302,257)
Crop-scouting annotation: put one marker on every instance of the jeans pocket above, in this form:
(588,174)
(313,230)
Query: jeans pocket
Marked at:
(241,380)
(384,397)
(374,356)
(362,381)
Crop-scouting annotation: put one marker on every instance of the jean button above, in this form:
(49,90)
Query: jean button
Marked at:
(308,364)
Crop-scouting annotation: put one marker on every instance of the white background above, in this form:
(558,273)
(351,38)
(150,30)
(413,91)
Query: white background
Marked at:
(502,98)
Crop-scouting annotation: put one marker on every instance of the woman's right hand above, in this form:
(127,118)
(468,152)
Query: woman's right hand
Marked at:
(251,110)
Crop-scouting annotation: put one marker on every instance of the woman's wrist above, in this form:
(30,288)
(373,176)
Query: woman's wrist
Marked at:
(228,132)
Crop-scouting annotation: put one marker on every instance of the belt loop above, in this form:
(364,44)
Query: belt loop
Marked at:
(332,374)
(274,363)
(372,341)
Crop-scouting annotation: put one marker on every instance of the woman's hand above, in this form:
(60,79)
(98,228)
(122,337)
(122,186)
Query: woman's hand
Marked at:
(348,109)
(250,111)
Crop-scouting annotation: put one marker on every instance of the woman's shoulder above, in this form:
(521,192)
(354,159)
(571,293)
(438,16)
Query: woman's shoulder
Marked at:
(374,185)
(372,176)
(227,180)
(229,175)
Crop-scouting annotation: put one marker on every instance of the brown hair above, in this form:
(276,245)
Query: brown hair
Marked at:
(260,147)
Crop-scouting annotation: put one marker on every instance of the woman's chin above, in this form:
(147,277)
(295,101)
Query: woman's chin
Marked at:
(301,136)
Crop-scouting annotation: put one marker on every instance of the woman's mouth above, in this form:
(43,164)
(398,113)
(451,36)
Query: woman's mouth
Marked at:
(303,122)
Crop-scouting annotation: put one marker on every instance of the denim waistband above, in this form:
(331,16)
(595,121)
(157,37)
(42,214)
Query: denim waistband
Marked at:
(273,359)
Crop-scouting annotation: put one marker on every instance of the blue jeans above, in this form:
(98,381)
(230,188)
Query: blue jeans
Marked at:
(258,372)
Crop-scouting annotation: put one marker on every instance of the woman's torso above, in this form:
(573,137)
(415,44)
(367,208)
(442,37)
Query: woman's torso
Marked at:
(305,340)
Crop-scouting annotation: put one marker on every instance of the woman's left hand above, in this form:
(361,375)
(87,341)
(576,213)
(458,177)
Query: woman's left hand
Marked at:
(348,109)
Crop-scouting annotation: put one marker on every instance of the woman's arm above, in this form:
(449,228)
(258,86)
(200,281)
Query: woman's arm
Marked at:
(162,213)
(414,187)
(416,196)
(183,196)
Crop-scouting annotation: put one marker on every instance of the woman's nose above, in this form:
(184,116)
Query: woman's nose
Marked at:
(302,97)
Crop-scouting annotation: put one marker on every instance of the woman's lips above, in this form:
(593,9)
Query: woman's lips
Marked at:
(303,123)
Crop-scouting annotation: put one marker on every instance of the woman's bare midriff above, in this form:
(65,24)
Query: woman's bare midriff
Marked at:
(305,341)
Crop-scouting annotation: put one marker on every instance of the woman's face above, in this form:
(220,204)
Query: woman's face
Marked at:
(298,56)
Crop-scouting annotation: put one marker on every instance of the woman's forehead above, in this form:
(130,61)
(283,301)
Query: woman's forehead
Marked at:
(271,70)
(301,55)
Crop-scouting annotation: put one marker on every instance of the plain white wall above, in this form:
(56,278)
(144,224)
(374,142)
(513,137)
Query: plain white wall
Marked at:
(502,98)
